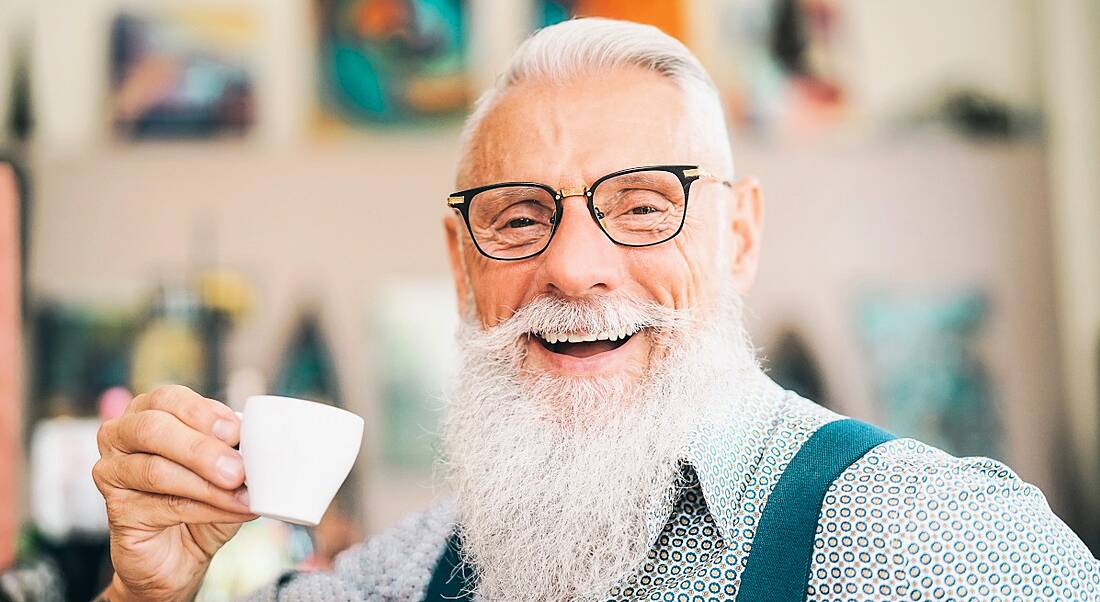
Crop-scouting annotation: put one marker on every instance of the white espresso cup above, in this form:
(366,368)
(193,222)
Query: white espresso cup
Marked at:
(296,454)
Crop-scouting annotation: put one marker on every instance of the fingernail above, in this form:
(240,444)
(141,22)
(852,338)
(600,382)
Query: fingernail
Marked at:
(242,496)
(223,429)
(230,467)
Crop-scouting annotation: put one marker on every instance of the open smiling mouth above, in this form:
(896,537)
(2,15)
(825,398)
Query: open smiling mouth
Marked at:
(583,345)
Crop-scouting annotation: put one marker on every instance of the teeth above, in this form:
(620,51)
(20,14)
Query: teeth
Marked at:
(607,335)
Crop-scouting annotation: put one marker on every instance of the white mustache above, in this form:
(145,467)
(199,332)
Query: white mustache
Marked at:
(548,315)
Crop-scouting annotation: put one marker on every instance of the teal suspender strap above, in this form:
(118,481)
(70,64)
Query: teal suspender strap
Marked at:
(778,568)
(452,578)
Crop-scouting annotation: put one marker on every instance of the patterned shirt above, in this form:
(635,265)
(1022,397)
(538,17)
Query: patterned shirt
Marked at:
(905,522)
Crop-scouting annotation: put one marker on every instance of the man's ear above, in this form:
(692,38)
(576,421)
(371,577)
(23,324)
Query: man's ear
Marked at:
(747,226)
(452,229)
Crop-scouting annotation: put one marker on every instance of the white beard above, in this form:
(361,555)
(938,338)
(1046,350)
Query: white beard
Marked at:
(556,479)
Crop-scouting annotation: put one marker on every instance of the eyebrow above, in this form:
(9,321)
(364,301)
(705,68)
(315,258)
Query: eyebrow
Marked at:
(641,177)
(516,191)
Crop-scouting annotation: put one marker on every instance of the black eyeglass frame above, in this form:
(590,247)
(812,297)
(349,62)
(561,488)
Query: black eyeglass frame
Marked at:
(687,174)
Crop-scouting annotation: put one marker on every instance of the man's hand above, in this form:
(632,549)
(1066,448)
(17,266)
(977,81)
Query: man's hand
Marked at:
(173,486)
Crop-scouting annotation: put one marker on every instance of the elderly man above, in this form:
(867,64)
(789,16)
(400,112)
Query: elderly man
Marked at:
(609,434)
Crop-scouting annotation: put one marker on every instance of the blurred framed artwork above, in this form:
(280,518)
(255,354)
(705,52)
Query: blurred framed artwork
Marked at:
(667,15)
(779,64)
(393,61)
(184,73)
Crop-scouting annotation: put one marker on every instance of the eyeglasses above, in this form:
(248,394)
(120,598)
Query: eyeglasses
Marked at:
(636,207)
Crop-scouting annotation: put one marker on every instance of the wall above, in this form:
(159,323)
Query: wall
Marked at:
(335,221)
(924,216)
(900,52)
(1071,34)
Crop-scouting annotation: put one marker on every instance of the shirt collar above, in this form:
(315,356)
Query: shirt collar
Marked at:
(726,451)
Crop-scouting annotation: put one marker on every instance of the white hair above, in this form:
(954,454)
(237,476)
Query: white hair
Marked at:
(562,52)
(557,478)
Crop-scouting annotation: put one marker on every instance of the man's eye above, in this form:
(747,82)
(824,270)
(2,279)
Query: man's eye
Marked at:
(520,222)
(644,210)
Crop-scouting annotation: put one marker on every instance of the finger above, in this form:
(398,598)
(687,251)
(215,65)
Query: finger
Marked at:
(160,433)
(104,437)
(133,406)
(156,474)
(154,511)
(200,413)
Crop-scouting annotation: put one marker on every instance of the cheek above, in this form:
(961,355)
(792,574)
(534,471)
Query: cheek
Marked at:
(678,273)
(499,287)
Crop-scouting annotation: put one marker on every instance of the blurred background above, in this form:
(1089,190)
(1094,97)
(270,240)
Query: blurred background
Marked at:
(244,196)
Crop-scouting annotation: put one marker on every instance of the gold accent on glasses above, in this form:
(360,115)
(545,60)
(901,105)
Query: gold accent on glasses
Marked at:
(455,200)
(575,191)
(706,175)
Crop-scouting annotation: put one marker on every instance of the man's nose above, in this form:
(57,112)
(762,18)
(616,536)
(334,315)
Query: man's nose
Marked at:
(581,260)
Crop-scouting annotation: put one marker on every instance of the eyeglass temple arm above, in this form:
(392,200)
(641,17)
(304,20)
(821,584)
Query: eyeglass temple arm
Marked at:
(703,174)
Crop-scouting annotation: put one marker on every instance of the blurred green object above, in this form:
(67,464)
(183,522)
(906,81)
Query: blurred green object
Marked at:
(394,61)
(307,371)
(929,378)
(413,352)
(76,353)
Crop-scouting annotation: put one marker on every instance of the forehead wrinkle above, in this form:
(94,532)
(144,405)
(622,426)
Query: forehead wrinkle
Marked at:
(521,119)
(480,162)
(542,131)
